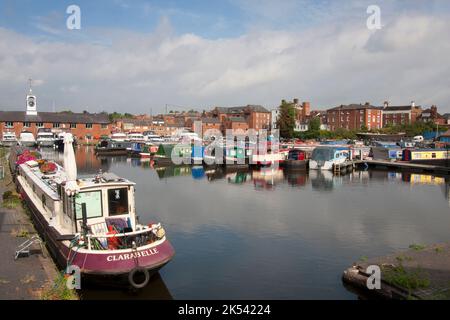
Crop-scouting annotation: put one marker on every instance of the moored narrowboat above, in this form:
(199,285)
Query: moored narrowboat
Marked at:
(173,154)
(427,156)
(91,223)
(296,160)
(112,148)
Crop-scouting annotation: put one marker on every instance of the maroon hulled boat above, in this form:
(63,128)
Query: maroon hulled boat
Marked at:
(90,222)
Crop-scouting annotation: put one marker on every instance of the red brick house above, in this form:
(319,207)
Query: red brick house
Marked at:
(398,115)
(355,117)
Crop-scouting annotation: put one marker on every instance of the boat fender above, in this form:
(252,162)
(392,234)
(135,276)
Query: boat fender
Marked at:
(160,232)
(132,281)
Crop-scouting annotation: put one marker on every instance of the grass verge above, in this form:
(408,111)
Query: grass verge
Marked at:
(58,290)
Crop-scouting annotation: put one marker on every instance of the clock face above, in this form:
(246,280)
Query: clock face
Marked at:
(31,102)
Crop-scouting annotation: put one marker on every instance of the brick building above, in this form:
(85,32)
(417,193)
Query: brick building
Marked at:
(236,123)
(133,124)
(302,110)
(354,117)
(255,117)
(209,124)
(432,115)
(398,115)
(86,127)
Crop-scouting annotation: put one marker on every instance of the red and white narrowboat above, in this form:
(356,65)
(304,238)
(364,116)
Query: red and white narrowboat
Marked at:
(90,222)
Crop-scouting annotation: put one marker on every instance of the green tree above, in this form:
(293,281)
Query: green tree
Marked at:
(314,124)
(286,120)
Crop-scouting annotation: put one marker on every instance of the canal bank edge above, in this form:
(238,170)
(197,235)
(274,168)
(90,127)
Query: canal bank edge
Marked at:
(420,273)
(34,277)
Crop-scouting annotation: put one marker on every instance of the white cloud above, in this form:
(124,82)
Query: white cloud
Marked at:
(328,65)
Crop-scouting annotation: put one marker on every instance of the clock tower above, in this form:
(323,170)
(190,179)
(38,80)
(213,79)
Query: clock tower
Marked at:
(31,102)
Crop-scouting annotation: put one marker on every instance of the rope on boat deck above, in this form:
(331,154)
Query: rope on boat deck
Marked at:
(73,243)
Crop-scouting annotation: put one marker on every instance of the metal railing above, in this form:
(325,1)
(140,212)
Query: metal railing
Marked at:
(127,240)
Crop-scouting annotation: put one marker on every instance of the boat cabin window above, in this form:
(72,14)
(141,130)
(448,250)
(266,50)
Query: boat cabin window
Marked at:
(93,200)
(118,201)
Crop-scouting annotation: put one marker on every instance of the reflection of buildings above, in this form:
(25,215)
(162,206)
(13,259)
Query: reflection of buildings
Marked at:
(87,162)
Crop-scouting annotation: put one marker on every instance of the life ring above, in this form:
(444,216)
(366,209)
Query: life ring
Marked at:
(133,283)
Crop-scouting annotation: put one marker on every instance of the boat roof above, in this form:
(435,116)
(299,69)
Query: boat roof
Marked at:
(332,147)
(429,150)
(50,182)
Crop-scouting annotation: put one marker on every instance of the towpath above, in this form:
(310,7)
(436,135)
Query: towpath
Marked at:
(25,277)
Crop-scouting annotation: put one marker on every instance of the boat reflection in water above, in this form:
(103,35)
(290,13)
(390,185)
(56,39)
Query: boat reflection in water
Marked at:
(155,290)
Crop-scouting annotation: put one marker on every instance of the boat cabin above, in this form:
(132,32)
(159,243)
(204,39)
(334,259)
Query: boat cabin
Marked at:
(103,201)
(325,157)
(296,154)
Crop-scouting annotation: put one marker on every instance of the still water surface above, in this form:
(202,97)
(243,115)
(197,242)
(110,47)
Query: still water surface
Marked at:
(272,234)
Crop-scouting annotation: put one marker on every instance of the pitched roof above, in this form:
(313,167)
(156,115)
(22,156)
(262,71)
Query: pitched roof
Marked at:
(136,121)
(399,108)
(354,106)
(55,117)
(241,109)
(210,120)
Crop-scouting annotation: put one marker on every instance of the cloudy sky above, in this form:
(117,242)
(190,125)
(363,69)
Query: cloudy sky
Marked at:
(138,56)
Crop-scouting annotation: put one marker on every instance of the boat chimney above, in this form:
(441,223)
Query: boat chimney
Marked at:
(70,165)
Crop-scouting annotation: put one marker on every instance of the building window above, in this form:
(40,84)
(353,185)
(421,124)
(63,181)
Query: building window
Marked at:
(40,124)
(88,125)
(73,126)
(9,124)
(56,125)
(27,124)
